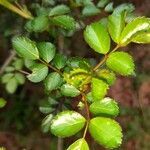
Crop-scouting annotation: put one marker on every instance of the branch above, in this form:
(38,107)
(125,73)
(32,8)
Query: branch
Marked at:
(22,12)
(7,62)
(105,58)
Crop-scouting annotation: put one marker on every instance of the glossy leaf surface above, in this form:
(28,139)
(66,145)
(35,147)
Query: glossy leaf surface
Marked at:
(97,37)
(99,89)
(80,144)
(67,123)
(106,107)
(133,28)
(69,90)
(121,62)
(106,132)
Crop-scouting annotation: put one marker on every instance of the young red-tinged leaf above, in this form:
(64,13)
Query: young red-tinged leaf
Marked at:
(80,144)
(99,89)
(107,132)
(46,50)
(39,73)
(67,123)
(121,62)
(97,37)
(25,48)
(134,28)
(105,107)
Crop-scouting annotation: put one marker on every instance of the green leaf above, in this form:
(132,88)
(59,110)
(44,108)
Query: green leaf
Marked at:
(90,10)
(2,102)
(25,48)
(116,23)
(18,64)
(53,81)
(39,73)
(107,107)
(67,123)
(29,63)
(102,3)
(133,28)
(46,123)
(7,77)
(80,144)
(9,69)
(143,37)
(107,76)
(69,90)
(59,61)
(99,89)
(38,24)
(46,110)
(11,86)
(97,37)
(77,77)
(125,7)
(121,62)
(64,21)
(46,50)
(106,132)
(59,10)
(109,7)
(20,78)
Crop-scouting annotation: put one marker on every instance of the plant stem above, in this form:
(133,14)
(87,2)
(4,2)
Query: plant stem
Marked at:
(50,66)
(105,58)
(7,62)
(15,9)
(23,72)
(87,113)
